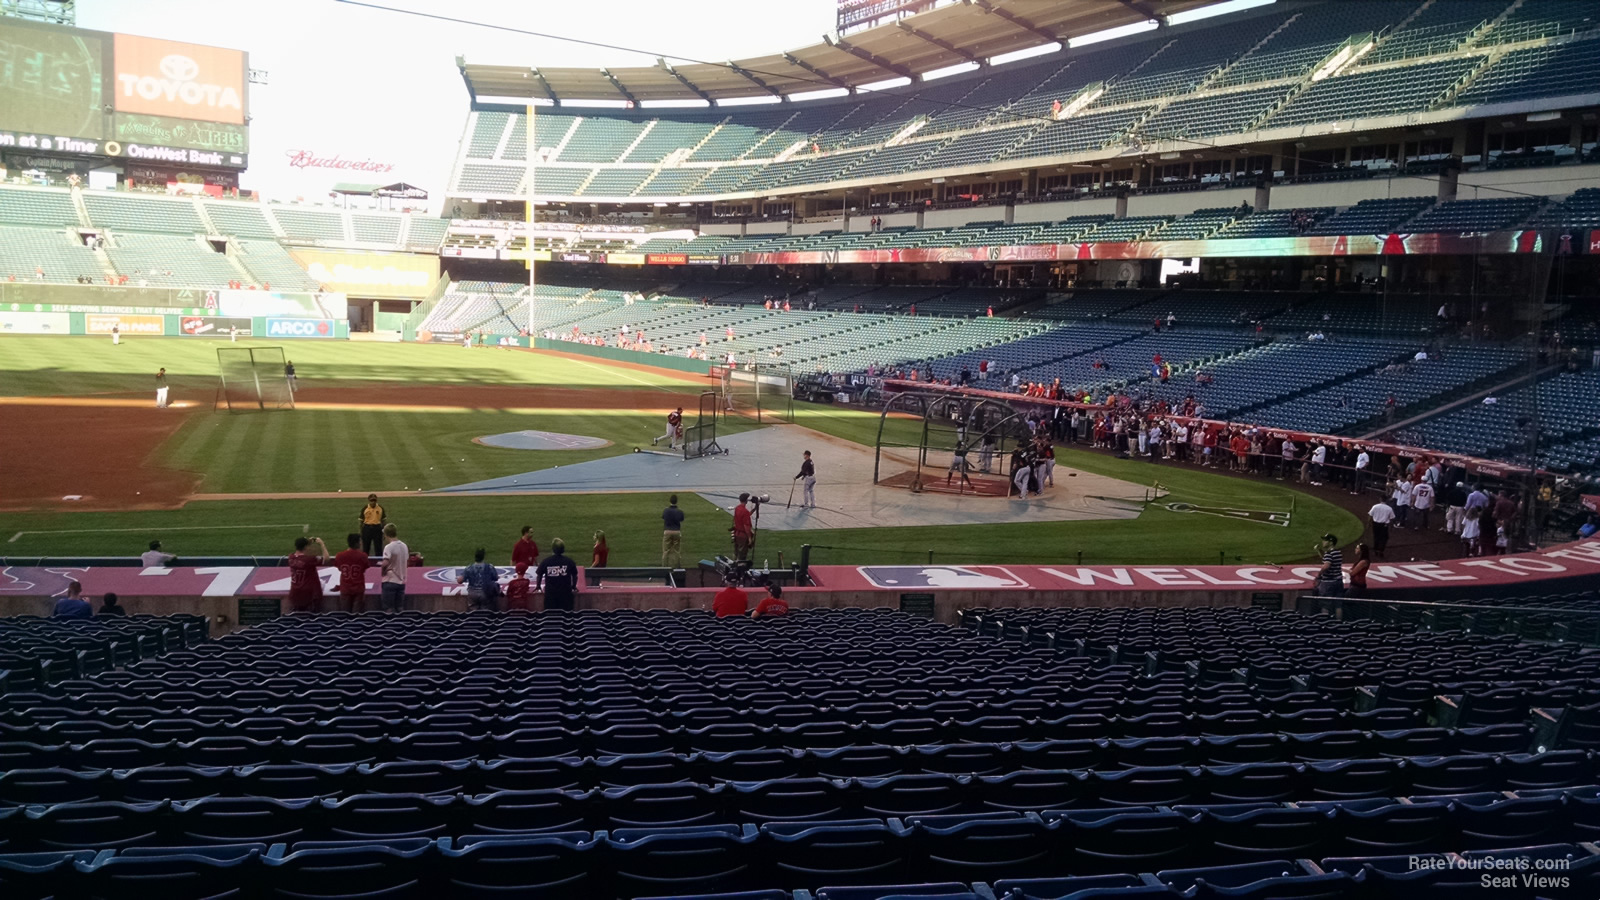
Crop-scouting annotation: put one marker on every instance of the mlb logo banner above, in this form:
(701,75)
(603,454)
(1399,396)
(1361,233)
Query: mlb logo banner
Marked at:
(954,577)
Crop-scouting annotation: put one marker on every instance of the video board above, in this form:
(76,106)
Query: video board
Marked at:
(96,94)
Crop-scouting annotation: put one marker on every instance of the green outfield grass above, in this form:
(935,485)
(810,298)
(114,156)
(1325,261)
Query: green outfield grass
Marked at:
(395,451)
(38,365)
(448,528)
(327,450)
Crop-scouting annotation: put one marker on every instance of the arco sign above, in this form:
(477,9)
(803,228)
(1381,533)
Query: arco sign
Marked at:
(300,328)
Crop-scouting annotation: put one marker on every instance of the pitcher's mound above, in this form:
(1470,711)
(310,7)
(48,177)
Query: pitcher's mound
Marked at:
(542,440)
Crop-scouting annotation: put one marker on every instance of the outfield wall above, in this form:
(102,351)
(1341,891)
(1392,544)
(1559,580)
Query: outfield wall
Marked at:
(230,613)
(137,322)
(231,595)
(617,354)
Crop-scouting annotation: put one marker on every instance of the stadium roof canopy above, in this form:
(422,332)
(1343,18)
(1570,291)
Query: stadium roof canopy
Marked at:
(961,32)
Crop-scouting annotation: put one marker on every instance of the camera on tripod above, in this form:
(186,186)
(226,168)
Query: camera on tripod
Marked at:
(740,573)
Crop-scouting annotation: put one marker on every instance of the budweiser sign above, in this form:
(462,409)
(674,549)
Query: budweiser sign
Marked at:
(308,159)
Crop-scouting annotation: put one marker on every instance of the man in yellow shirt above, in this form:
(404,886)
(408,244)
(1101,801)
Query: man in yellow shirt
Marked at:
(373,518)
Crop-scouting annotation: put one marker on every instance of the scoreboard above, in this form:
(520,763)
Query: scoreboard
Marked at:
(69,94)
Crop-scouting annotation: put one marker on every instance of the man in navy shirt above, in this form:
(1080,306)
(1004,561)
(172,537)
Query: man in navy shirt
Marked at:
(558,577)
(72,605)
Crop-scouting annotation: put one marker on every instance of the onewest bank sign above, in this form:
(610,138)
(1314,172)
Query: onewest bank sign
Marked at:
(396,275)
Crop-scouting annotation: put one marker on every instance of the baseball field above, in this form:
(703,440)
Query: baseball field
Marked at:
(89,466)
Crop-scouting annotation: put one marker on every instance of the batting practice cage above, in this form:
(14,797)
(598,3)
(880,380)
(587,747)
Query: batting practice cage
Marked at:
(700,439)
(253,378)
(947,443)
(764,391)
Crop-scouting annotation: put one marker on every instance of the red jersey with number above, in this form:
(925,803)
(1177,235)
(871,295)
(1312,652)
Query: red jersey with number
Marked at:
(352,565)
(304,585)
(771,606)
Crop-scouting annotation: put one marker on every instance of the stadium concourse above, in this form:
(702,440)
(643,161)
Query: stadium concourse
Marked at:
(1258,289)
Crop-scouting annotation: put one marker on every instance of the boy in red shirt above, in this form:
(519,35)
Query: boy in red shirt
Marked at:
(772,604)
(517,589)
(730,601)
(353,563)
(305,587)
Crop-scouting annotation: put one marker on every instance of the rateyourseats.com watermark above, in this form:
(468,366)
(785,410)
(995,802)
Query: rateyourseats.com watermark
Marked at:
(1521,873)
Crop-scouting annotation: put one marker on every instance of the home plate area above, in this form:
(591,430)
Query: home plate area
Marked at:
(764,461)
(541,440)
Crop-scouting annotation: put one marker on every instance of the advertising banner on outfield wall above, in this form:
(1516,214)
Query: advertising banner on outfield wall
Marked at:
(1579,559)
(325,305)
(102,323)
(204,326)
(300,328)
(667,259)
(1494,242)
(177,80)
(626,259)
(396,275)
(525,255)
(702,259)
(35,323)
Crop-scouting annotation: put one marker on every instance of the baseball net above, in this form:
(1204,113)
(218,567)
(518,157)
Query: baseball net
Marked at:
(700,439)
(764,391)
(252,379)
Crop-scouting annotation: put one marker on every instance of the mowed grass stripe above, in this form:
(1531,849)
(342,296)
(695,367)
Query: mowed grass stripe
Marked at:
(182,450)
(272,455)
(408,439)
(371,444)
(242,439)
(344,462)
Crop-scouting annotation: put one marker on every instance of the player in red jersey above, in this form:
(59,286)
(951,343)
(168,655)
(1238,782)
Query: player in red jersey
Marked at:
(674,427)
(772,604)
(305,587)
(353,563)
(517,589)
